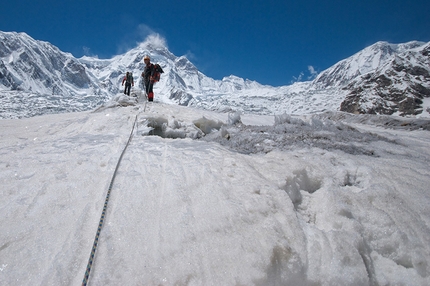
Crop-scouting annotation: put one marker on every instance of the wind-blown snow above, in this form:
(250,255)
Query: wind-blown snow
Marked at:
(327,199)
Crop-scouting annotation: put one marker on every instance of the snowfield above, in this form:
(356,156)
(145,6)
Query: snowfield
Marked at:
(215,198)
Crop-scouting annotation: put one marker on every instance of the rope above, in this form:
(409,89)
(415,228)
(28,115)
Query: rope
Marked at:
(96,239)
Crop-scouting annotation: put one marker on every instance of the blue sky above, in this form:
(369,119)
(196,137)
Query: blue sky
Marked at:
(272,42)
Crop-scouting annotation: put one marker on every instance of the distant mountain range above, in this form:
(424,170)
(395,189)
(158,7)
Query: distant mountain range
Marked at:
(37,78)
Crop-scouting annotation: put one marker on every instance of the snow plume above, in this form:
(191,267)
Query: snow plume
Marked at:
(88,53)
(313,72)
(144,31)
(190,55)
(142,36)
(155,40)
(298,78)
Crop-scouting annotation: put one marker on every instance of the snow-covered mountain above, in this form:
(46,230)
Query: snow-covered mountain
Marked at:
(38,78)
(398,86)
(33,71)
(181,82)
(361,63)
(39,67)
(382,79)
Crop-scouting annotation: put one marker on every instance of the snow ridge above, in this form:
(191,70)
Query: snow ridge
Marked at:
(34,72)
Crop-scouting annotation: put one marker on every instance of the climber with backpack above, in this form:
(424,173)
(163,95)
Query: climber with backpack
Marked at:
(128,82)
(150,75)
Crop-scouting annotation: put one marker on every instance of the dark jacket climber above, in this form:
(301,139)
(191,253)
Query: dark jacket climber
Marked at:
(129,82)
(148,78)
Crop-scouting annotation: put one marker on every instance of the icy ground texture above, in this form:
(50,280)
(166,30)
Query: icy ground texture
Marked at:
(299,204)
(19,104)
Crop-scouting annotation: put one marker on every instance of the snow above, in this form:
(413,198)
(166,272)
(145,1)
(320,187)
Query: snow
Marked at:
(216,199)
(426,108)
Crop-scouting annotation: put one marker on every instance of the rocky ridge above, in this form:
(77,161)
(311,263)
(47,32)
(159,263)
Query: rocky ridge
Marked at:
(399,86)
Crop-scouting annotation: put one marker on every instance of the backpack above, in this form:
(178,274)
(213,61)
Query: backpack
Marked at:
(129,78)
(157,72)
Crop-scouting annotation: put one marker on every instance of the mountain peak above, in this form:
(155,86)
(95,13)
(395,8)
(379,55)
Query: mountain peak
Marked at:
(396,86)
(361,63)
(394,48)
(41,71)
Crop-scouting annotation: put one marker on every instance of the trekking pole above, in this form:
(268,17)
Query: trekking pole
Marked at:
(146,95)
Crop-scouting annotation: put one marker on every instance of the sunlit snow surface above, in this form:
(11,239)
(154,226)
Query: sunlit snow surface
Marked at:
(20,104)
(224,199)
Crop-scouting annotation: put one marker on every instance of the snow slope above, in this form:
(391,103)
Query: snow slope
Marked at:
(327,199)
(365,61)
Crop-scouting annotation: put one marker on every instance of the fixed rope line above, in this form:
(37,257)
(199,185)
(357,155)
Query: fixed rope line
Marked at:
(103,215)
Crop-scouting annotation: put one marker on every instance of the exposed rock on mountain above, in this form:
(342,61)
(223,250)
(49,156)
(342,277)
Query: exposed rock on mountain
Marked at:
(397,87)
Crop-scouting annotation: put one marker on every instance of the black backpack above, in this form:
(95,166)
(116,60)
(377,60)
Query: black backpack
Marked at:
(129,78)
(157,72)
